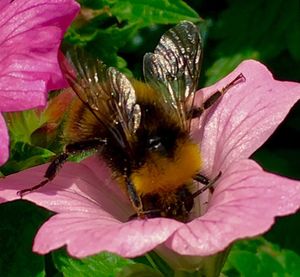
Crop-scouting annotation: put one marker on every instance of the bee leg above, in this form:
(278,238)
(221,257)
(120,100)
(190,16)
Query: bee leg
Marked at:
(49,175)
(197,111)
(208,184)
(201,179)
(135,199)
(56,164)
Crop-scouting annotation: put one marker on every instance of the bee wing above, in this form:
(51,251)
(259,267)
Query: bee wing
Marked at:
(107,94)
(174,67)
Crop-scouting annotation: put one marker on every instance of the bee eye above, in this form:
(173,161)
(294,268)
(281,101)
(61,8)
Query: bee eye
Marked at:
(155,144)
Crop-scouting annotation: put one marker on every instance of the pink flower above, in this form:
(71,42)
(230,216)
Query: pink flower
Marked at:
(92,213)
(30,35)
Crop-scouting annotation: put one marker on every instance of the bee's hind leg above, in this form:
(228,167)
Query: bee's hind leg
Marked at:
(197,111)
(56,164)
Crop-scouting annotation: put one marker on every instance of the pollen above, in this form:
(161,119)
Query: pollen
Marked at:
(161,174)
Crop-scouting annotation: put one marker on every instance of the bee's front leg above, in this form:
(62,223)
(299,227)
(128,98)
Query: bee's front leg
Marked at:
(57,163)
(208,184)
(135,199)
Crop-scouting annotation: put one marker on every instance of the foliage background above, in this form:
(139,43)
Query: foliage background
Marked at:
(120,32)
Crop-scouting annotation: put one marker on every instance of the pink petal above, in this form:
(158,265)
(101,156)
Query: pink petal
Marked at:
(244,204)
(87,235)
(93,213)
(4,3)
(246,116)
(4,141)
(30,35)
(88,183)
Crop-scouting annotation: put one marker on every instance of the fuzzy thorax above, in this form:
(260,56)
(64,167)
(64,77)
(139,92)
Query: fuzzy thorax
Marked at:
(161,174)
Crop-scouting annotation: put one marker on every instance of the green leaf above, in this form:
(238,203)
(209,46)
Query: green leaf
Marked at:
(104,264)
(113,24)
(148,12)
(103,43)
(153,260)
(24,155)
(111,40)
(258,257)
(96,4)
(22,124)
(269,265)
(292,263)
(19,223)
(136,270)
(246,263)
(262,26)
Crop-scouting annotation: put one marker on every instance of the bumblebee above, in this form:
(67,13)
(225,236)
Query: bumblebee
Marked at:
(142,129)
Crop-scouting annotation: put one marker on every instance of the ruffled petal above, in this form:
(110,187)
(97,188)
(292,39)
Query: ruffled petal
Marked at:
(88,183)
(30,35)
(244,204)
(86,235)
(245,117)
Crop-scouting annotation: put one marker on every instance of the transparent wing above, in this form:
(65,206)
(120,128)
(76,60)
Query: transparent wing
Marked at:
(174,67)
(107,94)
